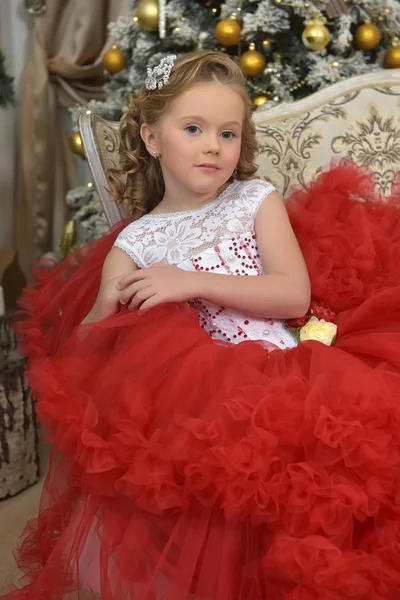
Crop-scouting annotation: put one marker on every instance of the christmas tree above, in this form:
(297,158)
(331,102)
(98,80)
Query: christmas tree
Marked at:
(287,49)
(6,85)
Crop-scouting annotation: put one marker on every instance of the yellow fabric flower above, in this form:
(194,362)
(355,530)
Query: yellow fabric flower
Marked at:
(318,330)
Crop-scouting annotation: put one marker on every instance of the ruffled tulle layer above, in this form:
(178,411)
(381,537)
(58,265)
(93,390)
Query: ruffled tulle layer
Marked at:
(189,468)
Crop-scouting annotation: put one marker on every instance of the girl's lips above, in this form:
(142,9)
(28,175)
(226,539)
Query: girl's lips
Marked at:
(209,168)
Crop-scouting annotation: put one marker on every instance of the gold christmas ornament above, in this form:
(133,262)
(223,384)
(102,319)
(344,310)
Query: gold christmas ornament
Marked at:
(316,35)
(259,101)
(68,238)
(392,56)
(148,14)
(252,62)
(114,60)
(228,32)
(367,36)
(75,143)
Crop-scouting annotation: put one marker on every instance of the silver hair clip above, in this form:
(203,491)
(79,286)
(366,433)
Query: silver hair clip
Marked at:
(159,76)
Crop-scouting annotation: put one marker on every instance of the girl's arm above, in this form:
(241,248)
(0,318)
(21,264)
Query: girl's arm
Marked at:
(116,265)
(284,292)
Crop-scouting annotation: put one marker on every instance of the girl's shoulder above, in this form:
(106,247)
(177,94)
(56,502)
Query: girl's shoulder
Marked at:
(132,232)
(248,195)
(256,184)
(252,193)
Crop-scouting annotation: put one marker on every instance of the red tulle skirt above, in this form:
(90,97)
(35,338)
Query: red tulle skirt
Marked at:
(186,468)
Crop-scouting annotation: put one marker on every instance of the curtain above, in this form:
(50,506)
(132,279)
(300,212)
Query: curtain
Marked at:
(64,69)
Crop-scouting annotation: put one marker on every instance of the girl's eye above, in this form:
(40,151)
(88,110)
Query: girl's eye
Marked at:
(192,129)
(228,135)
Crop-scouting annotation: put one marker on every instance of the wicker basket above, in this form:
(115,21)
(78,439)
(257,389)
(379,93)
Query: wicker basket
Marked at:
(19,461)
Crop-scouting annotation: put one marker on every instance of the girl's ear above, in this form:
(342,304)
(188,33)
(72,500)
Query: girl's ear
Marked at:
(149,138)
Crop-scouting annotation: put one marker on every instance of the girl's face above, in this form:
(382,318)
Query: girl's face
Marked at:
(198,139)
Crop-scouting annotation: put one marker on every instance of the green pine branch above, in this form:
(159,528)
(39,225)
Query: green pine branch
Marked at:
(7,97)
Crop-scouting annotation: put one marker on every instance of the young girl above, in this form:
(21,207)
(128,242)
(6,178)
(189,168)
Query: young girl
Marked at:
(200,451)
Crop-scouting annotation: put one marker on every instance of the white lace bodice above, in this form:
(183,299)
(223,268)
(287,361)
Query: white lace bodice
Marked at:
(219,238)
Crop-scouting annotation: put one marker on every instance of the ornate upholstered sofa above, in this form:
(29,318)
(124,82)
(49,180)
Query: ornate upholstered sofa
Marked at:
(357,119)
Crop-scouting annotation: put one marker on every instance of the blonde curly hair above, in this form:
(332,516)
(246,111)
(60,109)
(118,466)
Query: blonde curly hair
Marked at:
(138,184)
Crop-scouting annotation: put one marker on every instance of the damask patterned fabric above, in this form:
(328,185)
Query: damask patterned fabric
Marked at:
(362,126)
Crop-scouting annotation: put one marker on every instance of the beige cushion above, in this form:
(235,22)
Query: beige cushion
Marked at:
(358,120)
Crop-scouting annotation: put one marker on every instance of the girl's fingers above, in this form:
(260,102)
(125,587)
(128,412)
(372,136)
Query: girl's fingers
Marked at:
(133,277)
(140,297)
(149,303)
(130,291)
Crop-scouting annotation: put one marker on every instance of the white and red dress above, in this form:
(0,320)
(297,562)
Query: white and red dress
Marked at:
(201,453)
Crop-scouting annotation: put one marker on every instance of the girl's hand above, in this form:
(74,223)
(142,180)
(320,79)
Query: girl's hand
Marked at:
(110,296)
(160,283)
(107,301)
